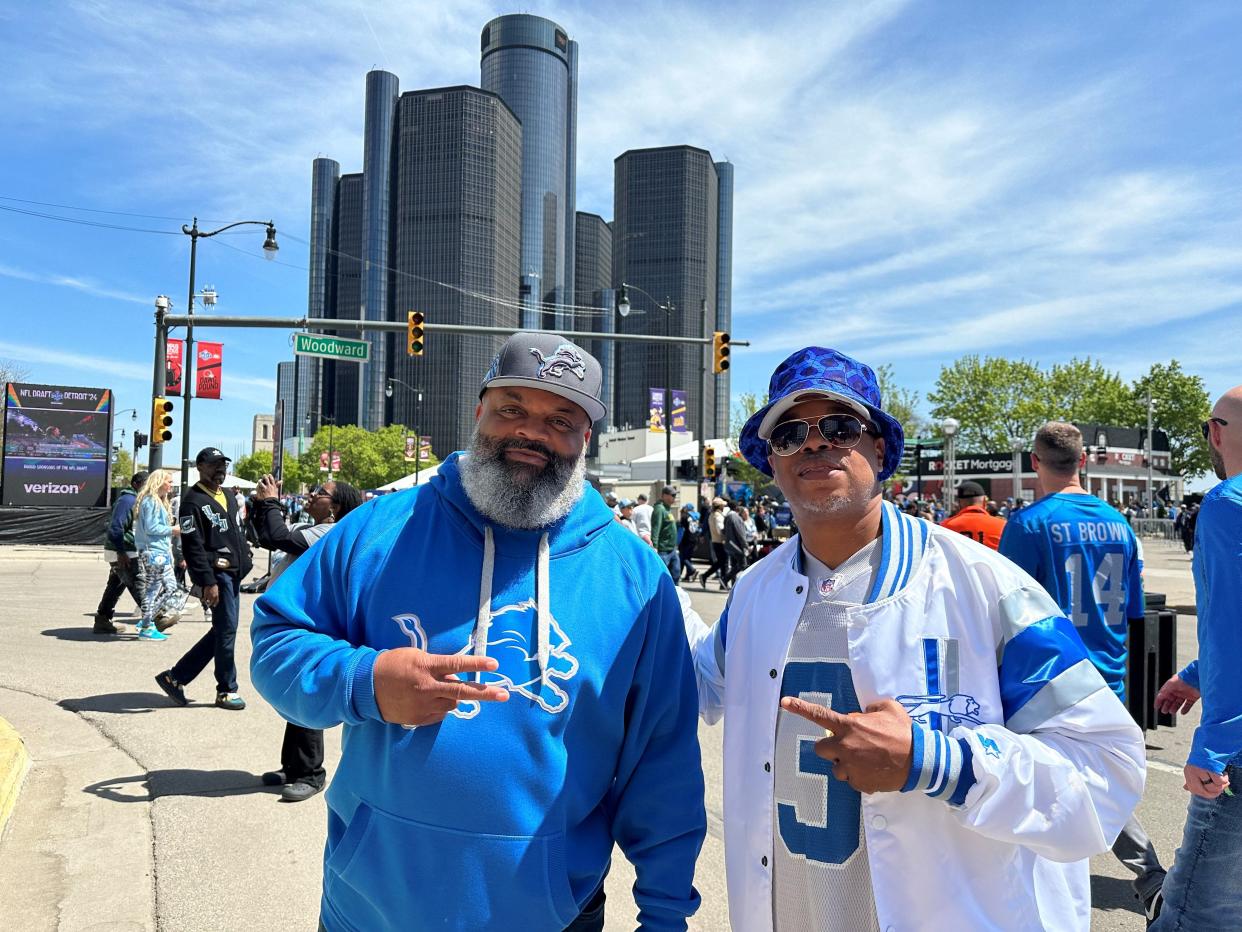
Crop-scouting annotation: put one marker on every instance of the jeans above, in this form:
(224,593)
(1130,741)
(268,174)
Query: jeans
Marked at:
(1202,890)
(672,559)
(217,643)
(120,578)
(1134,849)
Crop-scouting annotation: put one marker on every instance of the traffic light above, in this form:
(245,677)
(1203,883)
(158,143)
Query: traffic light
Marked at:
(720,352)
(709,462)
(140,440)
(161,421)
(414,333)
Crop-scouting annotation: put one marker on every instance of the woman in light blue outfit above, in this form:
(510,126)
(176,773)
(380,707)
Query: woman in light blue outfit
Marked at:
(154,530)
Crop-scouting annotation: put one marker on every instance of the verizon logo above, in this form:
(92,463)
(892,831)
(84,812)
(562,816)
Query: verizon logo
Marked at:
(54,488)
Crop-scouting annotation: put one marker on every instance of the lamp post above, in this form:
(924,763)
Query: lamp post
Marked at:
(418,404)
(331,422)
(195,234)
(623,308)
(1017,442)
(949,427)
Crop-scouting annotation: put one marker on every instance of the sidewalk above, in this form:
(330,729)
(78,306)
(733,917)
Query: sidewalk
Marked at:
(139,815)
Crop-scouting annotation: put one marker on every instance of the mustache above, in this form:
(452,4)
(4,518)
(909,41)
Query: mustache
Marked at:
(517,443)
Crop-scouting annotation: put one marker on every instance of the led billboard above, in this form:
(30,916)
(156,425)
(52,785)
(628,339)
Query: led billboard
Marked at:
(56,445)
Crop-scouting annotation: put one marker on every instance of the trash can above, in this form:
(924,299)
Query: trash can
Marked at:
(1150,661)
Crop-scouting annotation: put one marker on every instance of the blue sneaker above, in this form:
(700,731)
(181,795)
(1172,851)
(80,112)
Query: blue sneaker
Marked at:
(151,633)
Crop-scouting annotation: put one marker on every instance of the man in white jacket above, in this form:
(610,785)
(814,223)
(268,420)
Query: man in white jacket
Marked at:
(915,737)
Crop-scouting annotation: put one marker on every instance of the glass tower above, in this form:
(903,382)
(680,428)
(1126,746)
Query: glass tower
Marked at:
(456,242)
(532,64)
(724,286)
(595,298)
(666,240)
(377,156)
(325,175)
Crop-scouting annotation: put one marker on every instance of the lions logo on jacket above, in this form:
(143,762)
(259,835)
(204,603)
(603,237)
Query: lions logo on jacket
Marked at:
(512,647)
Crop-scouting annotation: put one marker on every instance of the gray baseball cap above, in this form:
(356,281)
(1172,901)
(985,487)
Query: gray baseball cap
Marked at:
(550,363)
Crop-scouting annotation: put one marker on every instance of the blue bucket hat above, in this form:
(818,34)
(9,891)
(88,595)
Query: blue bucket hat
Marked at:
(818,372)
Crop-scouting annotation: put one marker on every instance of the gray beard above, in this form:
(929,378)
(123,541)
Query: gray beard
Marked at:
(517,496)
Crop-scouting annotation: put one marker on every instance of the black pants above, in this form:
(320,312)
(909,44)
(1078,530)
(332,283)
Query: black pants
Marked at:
(737,563)
(301,755)
(720,562)
(217,643)
(120,579)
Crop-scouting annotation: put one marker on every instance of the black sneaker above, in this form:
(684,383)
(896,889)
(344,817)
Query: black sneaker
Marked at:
(274,778)
(1152,905)
(105,626)
(172,687)
(299,790)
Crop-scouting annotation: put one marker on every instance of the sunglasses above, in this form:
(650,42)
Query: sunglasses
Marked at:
(840,430)
(1207,425)
(315,493)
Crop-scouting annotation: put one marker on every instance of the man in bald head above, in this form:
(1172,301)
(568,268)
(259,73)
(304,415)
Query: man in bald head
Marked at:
(1212,842)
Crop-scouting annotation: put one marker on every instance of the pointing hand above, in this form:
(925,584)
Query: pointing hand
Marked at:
(871,750)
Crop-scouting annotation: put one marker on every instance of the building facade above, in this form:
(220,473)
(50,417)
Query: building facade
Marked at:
(532,65)
(595,300)
(286,392)
(666,250)
(262,434)
(724,287)
(456,244)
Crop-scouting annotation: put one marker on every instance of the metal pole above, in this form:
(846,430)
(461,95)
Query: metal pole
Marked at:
(331,445)
(668,394)
(418,436)
(702,395)
(1017,468)
(156,458)
(1151,449)
(188,367)
(918,470)
(949,472)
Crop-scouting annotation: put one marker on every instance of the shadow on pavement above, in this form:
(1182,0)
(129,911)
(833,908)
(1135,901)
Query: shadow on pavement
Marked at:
(86,634)
(142,788)
(1113,893)
(122,703)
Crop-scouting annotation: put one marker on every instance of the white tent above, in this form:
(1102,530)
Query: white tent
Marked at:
(230,482)
(407,482)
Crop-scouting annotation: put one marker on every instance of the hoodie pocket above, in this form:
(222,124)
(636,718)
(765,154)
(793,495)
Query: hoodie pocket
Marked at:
(423,876)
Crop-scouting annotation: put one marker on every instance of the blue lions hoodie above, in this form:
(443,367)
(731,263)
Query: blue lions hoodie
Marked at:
(504,815)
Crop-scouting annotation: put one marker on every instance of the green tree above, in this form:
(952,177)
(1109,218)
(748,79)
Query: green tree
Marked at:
(369,459)
(122,469)
(1180,405)
(902,403)
(1083,391)
(995,399)
(747,403)
(254,466)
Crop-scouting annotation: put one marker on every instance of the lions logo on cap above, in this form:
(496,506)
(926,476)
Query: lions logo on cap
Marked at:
(565,358)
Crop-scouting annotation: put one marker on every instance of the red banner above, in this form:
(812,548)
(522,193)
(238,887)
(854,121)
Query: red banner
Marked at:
(174,367)
(210,364)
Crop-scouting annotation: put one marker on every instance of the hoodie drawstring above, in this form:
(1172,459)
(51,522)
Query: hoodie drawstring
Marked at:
(483,621)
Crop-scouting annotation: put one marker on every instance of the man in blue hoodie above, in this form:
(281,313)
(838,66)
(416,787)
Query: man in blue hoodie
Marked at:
(122,555)
(511,668)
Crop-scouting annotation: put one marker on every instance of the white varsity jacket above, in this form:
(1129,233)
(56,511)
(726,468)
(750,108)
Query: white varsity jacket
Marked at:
(1026,763)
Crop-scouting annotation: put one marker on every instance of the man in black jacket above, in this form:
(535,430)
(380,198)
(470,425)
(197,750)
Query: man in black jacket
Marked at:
(735,545)
(218,559)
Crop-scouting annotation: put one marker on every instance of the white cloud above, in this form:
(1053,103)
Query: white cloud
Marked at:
(69,281)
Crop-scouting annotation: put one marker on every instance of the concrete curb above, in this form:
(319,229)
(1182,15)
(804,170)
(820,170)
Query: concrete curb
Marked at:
(14,763)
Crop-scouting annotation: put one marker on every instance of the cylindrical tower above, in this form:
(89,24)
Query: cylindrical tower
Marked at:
(529,63)
(377,146)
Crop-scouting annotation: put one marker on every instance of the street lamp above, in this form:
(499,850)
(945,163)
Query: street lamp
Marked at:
(418,403)
(209,297)
(331,422)
(949,427)
(623,308)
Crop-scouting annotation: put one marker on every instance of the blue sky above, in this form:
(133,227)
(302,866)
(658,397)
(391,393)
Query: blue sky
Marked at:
(914,181)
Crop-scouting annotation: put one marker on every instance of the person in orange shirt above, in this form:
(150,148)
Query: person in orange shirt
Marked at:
(972,518)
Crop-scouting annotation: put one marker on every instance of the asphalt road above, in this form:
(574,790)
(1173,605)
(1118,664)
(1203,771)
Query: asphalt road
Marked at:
(138,815)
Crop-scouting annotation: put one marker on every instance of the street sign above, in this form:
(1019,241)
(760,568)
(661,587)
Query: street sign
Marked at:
(316,344)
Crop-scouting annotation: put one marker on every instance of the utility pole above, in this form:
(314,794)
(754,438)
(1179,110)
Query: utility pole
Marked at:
(702,395)
(1151,502)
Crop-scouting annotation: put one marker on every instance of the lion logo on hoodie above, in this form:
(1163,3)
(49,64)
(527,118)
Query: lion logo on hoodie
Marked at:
(513,646)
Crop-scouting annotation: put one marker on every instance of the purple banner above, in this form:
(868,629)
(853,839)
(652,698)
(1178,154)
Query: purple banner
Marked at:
(679,410)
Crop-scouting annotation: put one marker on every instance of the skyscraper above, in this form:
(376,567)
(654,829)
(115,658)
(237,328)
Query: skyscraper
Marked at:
(532,64)
(666,245)
(456,242)
(377,155)
(325,176)
(593,289)
(340,381)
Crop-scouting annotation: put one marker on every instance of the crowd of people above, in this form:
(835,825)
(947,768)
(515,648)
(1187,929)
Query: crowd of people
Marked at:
(925,712)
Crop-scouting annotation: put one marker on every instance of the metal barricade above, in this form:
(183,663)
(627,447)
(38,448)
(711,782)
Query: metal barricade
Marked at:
(1155,529)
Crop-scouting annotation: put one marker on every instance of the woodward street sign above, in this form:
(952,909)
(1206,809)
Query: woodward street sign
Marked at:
(316,344)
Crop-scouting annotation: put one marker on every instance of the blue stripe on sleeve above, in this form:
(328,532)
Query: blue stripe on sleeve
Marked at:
(931,658)
(1034,657)
(916,757)
(966,779)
